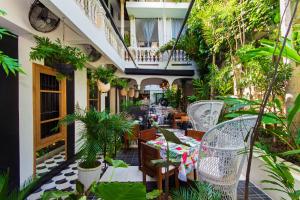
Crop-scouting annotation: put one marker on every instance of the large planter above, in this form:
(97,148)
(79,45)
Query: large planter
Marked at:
(258,174)
(103,87)
(123,92)
(88,176)
(62,68)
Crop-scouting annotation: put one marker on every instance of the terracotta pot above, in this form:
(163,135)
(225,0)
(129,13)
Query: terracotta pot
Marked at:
(102,87)
(123,92)
(88,176)
(131,92)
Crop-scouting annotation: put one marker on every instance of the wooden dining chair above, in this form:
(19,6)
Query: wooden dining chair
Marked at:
(194,134)
(132,137)
(150,153)
(145,136)
(177,119)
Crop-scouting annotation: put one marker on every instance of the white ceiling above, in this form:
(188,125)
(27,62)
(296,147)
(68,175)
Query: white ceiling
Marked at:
(157,9)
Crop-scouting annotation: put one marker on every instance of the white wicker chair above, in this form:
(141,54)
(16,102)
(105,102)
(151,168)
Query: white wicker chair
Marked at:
(204,114)
(222,154)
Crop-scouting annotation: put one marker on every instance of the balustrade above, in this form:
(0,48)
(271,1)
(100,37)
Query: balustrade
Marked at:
(152,55)
(95,12)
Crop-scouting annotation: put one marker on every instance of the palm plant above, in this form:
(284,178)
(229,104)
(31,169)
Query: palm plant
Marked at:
(16,194)
(100,133)
(9,65)
(200,191)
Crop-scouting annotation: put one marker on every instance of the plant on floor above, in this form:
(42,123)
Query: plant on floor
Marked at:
(280,176)
(284,143)
(197,191)
(105,191)
(9,65)
(16,194)
(100,133)
(56,54)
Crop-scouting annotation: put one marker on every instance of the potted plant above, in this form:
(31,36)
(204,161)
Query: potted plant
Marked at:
(64,58)
(99,134)
(122,85)
(104,77)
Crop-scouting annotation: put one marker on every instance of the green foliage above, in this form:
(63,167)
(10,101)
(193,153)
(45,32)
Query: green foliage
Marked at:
(127,105)
(79,194)
(221,80)
(258,71)
(173,96)
(101,133)
(116,163)
(56,52)
(9,65)
(127,39)
(120,191)
(280,177)
(201,91)
(105,75)
(16,194)
(200,191)
(270,47)
(120,83)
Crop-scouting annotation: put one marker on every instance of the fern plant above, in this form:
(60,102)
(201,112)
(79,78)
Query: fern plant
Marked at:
(105,75)
(56,52)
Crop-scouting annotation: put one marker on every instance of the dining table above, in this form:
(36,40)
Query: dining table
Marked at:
(187,155)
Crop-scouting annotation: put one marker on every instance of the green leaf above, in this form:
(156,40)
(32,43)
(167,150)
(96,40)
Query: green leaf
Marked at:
(57,194)
(293,111)
(4,178)
(120,191)
(116,163)
(79,187)
(290,153)
(170,136)
(153,194)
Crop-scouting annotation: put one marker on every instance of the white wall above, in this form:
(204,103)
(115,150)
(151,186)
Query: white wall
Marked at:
(25,110)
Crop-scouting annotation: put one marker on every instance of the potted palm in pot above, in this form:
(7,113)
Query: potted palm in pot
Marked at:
(55,54)
(100,130)
(104,77)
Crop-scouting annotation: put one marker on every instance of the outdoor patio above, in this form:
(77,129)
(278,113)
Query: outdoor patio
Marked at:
(66,179)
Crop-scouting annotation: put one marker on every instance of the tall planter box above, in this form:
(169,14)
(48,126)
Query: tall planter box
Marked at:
(257,175)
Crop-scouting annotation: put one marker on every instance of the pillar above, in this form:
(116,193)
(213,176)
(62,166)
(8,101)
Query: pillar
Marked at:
(122,18)
(132,32)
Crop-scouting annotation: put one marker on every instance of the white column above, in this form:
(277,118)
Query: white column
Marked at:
(132,31)
(102,106)
(122,18)
(80,90)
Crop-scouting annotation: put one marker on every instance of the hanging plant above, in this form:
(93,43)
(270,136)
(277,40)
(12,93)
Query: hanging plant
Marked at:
(131,92)
(62,57)
(124,92)
(104,77)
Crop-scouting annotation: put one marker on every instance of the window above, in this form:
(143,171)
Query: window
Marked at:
(176,26)
(49,106)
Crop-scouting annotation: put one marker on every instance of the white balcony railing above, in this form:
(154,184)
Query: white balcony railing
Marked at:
(96,13)
(151,55)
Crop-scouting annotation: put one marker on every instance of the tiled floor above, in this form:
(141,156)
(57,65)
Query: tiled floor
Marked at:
(65,180)
(50,163)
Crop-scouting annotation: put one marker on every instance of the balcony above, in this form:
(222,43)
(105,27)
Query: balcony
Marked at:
(88,17)
(147,56)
